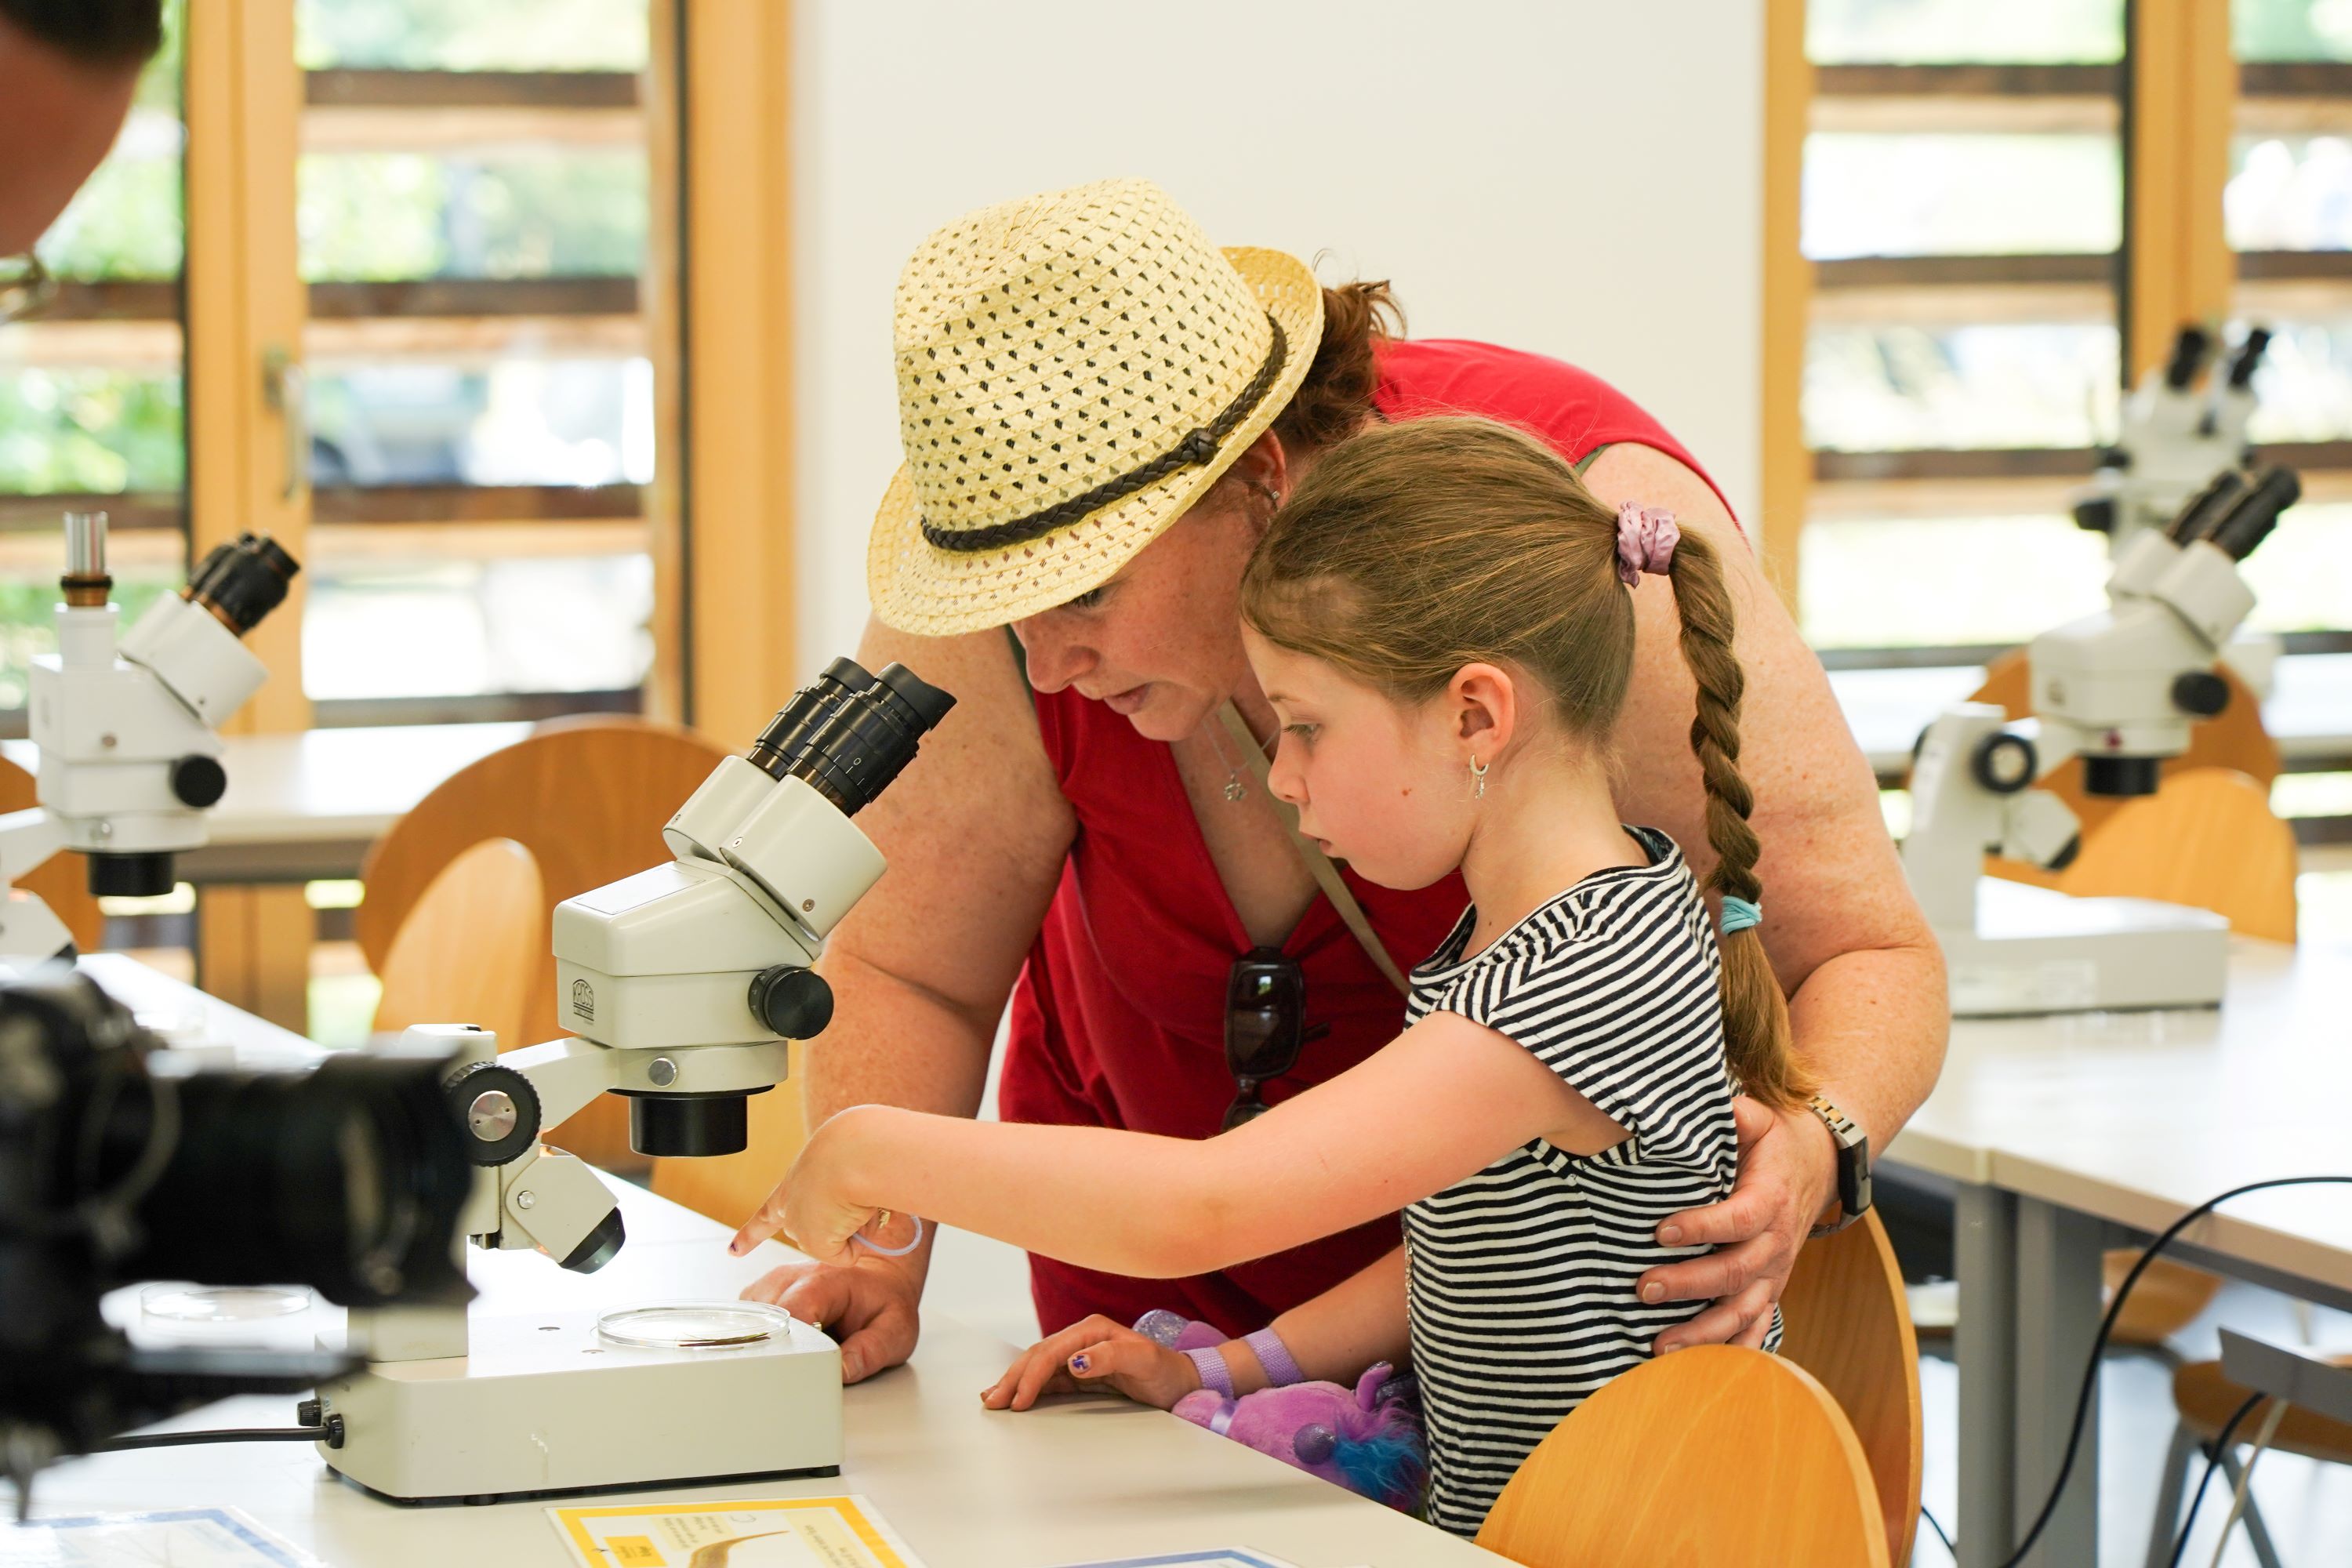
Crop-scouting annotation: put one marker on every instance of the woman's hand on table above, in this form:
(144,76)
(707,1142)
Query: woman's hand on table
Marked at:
(872,1307)
(1091,1354)
(1787,1171)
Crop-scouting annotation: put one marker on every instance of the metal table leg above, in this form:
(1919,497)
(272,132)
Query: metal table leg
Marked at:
(2058,1308)
(1984,1344)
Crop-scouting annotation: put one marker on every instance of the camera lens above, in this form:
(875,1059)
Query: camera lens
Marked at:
(347,1177)
(241,580)
(869,738)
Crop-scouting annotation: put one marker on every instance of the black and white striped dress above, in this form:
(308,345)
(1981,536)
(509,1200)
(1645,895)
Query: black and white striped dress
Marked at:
(1521,1280)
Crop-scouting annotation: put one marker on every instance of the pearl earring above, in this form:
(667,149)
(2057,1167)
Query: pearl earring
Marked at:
(1478,779)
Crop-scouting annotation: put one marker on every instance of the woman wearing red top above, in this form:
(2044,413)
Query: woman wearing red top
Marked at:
(1099,412)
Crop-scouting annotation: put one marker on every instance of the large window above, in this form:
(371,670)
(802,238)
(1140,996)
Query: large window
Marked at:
(1963,209)
(474,192)
(1995,236)
(92,403)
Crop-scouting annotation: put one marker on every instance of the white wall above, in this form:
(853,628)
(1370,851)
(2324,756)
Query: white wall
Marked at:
(1578,177)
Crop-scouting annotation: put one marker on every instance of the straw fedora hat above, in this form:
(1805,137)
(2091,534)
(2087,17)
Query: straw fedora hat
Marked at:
(1074,370)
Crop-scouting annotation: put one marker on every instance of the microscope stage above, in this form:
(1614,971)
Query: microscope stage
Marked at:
(544,1404)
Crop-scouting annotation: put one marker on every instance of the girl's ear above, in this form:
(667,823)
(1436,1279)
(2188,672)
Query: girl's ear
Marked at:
(1485,701)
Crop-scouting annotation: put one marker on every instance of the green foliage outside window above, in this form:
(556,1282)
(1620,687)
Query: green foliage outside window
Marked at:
(81,430)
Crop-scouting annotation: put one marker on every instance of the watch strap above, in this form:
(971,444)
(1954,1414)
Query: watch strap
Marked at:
(1853,1165)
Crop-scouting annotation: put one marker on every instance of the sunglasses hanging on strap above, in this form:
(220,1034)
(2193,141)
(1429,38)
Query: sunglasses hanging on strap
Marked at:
(1326,876)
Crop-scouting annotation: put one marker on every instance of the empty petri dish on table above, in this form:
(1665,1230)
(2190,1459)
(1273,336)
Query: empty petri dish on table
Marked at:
(692,1325)
(223,1303)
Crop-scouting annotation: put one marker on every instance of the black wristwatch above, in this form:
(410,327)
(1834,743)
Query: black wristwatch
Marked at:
(1853,1165)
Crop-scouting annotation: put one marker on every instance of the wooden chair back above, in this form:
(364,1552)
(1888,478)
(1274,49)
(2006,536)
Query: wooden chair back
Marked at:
(62,882)
(587,798)
(469,950)
(1716,1454)
(2206,838)
(1845,1318)
(2234,738)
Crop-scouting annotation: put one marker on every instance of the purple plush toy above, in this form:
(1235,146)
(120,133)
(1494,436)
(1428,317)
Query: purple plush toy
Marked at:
(1368,1445)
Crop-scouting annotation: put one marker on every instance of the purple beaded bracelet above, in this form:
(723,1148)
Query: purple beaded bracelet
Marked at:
(1274,1357)
(1215,1376)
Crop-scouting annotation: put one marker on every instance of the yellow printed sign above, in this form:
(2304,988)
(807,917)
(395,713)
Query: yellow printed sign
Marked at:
(782,1533)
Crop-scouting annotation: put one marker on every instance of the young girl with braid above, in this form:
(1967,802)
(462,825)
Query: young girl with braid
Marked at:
(1443,618)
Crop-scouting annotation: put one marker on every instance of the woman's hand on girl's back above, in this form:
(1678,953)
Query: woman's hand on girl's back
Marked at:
(1091,1354)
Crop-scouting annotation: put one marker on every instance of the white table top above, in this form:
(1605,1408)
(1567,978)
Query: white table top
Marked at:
(1080,1479)
(2138,1117)
(315,800)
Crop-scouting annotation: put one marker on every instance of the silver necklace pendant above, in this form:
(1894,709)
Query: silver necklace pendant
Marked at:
(1235,788)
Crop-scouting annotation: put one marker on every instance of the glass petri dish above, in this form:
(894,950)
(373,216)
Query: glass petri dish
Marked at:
(689,1325)
(223,1303)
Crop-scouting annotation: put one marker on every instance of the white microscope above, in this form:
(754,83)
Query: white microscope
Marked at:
(129,757)
(2174,439)
(2176,436)
(684,983)
(2120,690)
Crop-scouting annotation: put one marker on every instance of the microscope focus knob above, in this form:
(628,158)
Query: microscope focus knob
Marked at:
(2003,762)
(199,781)
(497,1108)
(2199,691)
(796,1003)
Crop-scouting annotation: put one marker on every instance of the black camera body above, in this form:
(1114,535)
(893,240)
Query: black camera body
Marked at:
(115,1166)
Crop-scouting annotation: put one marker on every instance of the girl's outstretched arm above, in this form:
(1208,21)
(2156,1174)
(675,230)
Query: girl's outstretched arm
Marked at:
(1443,1101)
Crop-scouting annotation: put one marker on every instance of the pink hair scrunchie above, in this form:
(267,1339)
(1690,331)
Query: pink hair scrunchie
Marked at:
(1646,537)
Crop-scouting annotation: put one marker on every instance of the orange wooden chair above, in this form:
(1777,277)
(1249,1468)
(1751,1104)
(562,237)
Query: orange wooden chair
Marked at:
(469,950)
(1717,1454)
(586,799)
(62,882)
(1845,1318)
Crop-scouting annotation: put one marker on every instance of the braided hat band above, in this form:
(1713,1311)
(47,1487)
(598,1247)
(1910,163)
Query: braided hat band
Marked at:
(1076,369)
(1200,446)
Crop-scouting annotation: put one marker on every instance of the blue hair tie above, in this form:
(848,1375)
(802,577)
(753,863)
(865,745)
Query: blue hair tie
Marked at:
(1739,914)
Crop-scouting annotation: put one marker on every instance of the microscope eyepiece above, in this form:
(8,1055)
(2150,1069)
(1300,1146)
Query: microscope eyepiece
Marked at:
(2209,507)
(241,580)
(2190,350)
(849,733)
(870,737)
(2250,521)
(787,738)
(2248,357)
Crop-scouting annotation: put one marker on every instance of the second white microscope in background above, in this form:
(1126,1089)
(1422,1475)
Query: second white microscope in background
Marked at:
(125,725)
(2119,688)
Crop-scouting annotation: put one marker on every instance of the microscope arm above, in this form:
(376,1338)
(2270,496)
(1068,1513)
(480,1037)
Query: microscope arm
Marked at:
(27,838)
(29,929)
(538,1197)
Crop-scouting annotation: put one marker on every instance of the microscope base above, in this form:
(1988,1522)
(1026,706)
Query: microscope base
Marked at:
(2037,951)
(542,1405)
